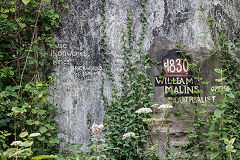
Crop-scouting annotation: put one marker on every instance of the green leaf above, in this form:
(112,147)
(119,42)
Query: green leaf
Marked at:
(41,138)
(44,157)
(26,151)
(3,158)
(43,129)
(218,113)
(37,122)
(9,152)
(4,16)
(26,105)
(214,155)
(23,134)
(44,99)
(232,140)
(192,135)
(26,1)
(217,70)
(220,79)
(34,134)
(196,124)
(66,6)
(220,71)
(231,95)
(12,2)
(26,144)
(19,110)
(54,140)
(154,105)
(4,10)
(29,122)
(12,9)
(22,25)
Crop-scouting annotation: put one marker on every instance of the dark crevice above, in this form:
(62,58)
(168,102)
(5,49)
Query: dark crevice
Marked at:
(167,17)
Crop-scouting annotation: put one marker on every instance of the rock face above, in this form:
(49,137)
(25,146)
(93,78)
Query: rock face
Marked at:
(79,62)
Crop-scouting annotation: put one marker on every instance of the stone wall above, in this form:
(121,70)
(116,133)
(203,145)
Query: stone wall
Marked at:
(79,62)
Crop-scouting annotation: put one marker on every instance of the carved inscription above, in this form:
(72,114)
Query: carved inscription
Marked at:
(175,67)
(190,99)
(177,80)
(182,86)
(199,99)
(85,65)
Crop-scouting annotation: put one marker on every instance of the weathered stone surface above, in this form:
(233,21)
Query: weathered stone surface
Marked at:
(79,62)
(177,125)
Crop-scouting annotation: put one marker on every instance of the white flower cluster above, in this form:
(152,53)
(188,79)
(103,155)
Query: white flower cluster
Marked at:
(97,128)
(165,106)
(129,134)
(144,110)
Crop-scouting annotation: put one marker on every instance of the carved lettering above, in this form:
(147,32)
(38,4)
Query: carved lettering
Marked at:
(80,62)
(198,99)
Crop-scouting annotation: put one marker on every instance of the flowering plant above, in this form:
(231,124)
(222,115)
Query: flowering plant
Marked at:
(144,110)
(165,106)
(97,128)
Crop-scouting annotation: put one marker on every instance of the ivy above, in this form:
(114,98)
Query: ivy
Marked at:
(136,93)
(216,134)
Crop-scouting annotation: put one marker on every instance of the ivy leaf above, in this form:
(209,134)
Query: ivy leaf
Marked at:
(231,95)
(218,113)
(26,1)
(214,155)
(54,140)
(42,129)
(41,138)
(29,122)
(36,122)
(12,9)
(217,70)
(22,25)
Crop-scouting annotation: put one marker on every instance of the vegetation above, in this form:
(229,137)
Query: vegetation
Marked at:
(27,126)
(26,35)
